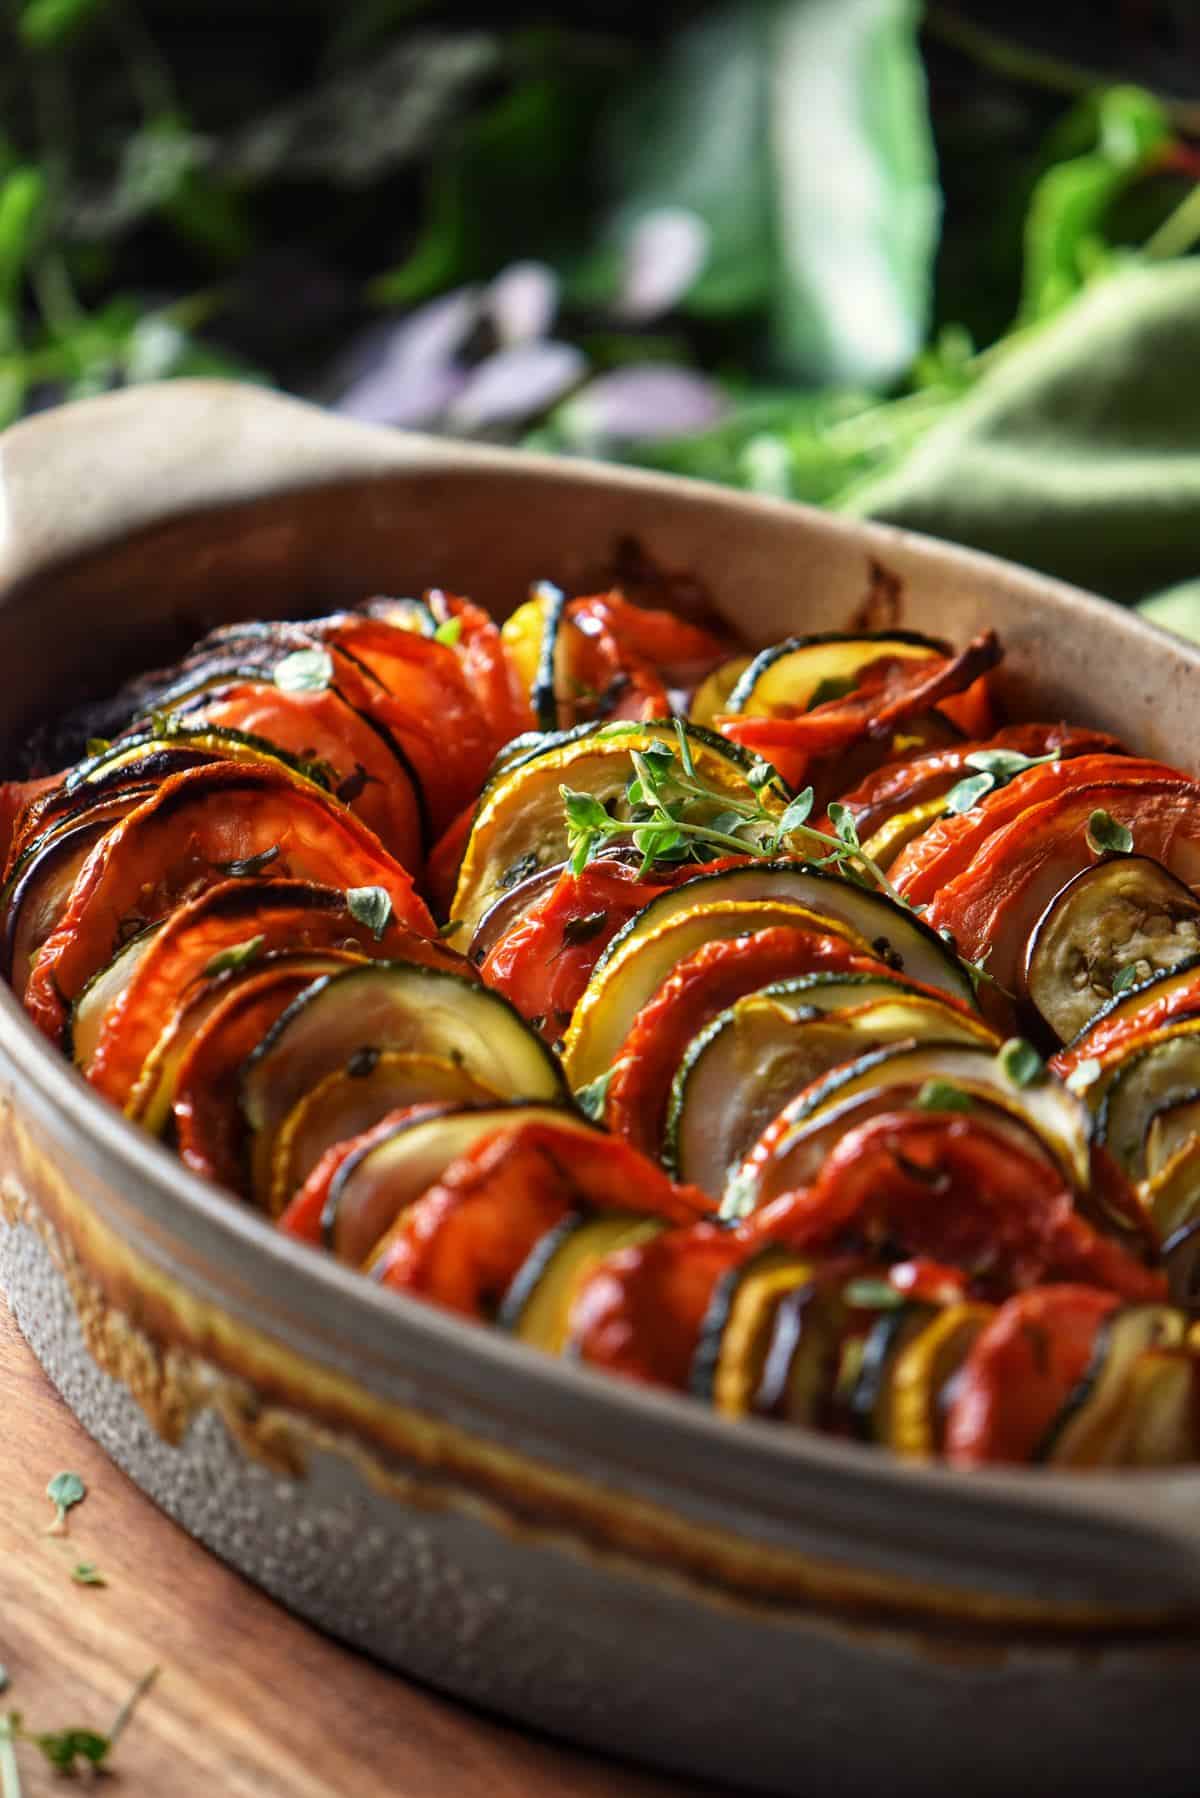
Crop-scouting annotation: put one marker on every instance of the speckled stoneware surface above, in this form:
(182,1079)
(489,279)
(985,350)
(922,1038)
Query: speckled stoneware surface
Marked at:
(617,1566)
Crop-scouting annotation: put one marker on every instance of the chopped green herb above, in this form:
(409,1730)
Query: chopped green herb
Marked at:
(943,1095)
(591,1098)
(995,768)
(1020,1062)
(1105,836)
(451,927)
(64,1747)
(582,930)
(372,907)
(239,955)
(1127,977)
(98,745)
(449,631)
(968,793)
(304,671)
(245,867)
(86,1573)
(872,1295)
(64,1491)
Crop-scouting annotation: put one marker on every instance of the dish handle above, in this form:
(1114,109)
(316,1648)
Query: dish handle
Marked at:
(144,454)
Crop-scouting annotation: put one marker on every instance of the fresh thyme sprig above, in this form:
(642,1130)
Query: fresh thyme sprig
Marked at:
(994,768)
(673,816)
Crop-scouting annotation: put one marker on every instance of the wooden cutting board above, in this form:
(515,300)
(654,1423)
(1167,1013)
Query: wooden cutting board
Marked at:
(249,1703)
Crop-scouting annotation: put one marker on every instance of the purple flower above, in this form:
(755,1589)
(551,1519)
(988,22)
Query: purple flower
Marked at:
(643,400)
(664,254)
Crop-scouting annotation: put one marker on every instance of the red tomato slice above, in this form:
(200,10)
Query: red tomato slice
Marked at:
(662,638)
(972,711)
(1020,1371)
(424,698)
(441,870)
(285,914)
(889,691)
(323,726)
(210,1130)
(464,1240)
(701,986)
(179,842)
(481,652)
(543,963)
(994,904)
(1109,1038)
(16,798)
(950,845)
(898,786)
(954,1189)
(640,1310)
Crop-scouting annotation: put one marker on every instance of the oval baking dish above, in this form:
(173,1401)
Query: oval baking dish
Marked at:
(615,1565)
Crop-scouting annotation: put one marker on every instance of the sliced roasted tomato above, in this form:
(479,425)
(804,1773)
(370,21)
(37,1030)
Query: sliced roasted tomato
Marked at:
(16,797)
(370,772)
(210,1130)
(462,1243)
(475,638)
(914,779)
(640,1311)
(422,695)
(1144,1008)
(993,906)
(186,838)
(952,1188)
(1021,1370)
(952,845)
(445,859)
(888,692)
(229,925)
(701,987)
(543,962)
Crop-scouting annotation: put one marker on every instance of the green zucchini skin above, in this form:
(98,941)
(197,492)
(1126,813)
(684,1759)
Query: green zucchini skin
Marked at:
(528,1276)
(768,658)
(544,696)
(702,1372)
(884,1339)
(895,934)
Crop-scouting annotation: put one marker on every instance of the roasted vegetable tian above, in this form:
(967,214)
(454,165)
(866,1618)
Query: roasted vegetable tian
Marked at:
(788,1030)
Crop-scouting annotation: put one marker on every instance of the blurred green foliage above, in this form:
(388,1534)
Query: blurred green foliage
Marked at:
(897,203)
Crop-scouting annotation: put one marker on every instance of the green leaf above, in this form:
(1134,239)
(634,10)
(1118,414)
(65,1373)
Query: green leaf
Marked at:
(239,955)
(873,1295)
(1064,229)
(304,671)
(64,1747)
(371,907)
(584,811)
(1078,451)
(449,631)
(1020,1062)
(591,1098)
(86,1573)
(966,793)
(64,1491)
(843,823)
(833,686)
(798,131)
(797,813)
(1003,763)
(1127,978)
(943,1095)
(1105,836)
(48,24)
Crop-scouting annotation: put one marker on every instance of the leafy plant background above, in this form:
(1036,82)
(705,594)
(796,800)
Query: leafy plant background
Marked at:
(934,264)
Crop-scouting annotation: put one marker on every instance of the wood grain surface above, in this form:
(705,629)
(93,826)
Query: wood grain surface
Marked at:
(249,1702)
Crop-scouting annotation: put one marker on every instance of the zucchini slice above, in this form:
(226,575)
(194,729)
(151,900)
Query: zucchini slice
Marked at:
(734,1337)
(872,922)
(921,1374)
(153,754)
(352,1099)
(800,672)
(894,836)
(39,889)
(521,825)
(395,1006)
(1125,913)
(1092,1427)
(383,1178)
(868,1397)
(620,985)
(1172,1126)
(1171,1193)
(537,1306)
(891,1077)
(406,614)
(91,1007)
(1162,1427)
(1152,1078)
(712,695)
(801,1328)
(743,1068)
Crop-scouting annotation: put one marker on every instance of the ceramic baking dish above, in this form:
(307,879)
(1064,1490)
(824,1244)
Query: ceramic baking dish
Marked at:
(775,1610)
